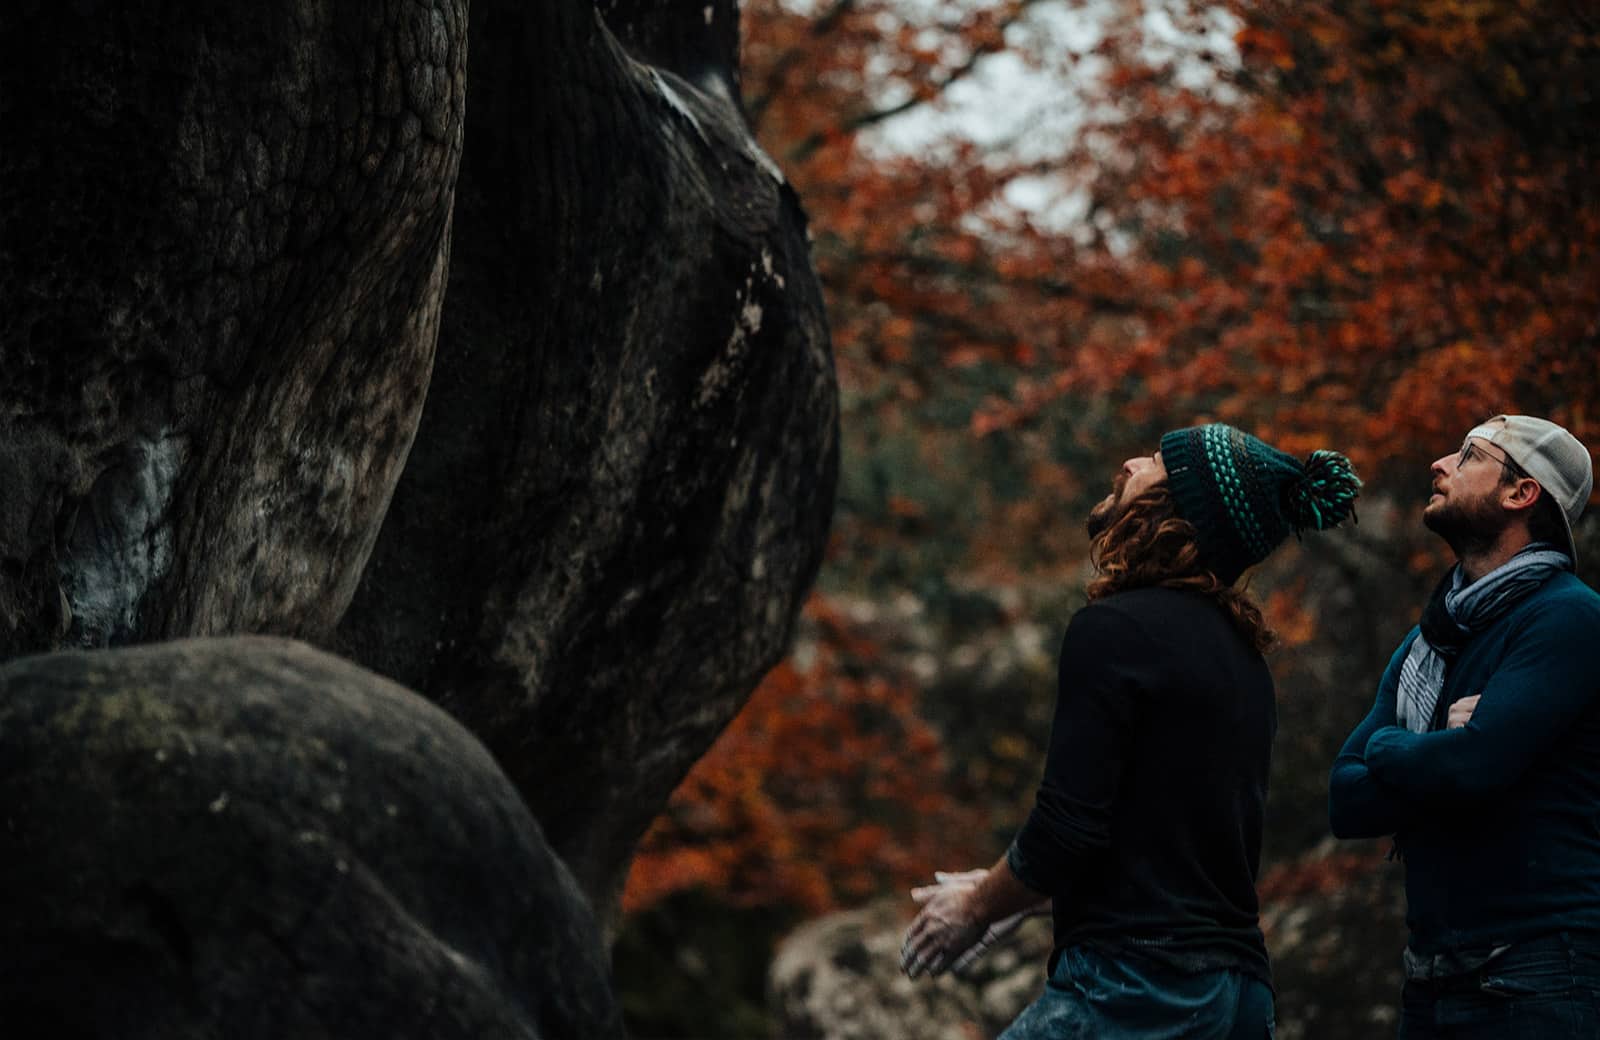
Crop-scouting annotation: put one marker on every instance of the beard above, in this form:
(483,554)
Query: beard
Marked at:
(1467,526)
(1107,509)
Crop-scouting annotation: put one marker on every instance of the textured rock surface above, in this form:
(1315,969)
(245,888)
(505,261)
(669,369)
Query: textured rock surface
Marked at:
(250,838)
(624,475)
(225,236)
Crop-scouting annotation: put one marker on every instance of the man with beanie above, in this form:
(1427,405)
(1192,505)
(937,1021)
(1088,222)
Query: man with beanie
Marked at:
(1482,753)
(1146,833)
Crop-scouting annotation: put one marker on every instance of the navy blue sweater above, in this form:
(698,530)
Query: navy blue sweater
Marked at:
(1147,826)
(1498,821)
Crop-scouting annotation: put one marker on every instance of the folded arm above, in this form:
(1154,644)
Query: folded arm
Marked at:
(1359,804)
(1533,697)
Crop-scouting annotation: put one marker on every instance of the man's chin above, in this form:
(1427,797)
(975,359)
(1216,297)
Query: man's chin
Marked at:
(1105,511)
(1464,530)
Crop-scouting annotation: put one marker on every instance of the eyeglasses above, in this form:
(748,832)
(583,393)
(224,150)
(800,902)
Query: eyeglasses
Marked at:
(1470,450)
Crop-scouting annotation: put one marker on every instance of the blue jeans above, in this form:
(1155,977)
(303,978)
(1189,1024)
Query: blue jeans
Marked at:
(1092,996)
(1543,989)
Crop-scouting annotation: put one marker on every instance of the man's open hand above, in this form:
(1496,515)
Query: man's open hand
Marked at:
(991,935)
(946,928)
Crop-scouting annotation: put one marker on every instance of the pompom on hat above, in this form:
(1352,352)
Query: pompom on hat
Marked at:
(1244,496)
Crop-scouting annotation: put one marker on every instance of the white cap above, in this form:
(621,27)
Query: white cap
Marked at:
(1550,455)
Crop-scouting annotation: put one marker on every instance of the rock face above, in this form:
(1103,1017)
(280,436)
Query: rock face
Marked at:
(250,838)
(226,234)
(623,479)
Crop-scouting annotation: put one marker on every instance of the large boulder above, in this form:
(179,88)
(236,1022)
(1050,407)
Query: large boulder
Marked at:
(510,379)
(226,232)
(250,838)
(621,486)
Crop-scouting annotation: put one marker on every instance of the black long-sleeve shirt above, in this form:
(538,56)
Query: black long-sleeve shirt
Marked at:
(1147,827)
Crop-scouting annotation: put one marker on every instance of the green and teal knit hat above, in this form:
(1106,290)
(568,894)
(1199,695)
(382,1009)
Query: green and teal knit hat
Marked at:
(1244,496)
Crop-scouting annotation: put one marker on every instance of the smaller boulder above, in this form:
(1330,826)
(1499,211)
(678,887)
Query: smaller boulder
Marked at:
(248,837)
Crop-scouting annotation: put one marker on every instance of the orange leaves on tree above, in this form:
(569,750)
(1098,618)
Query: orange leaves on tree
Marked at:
(826,789)
(1305,250)
(900,240)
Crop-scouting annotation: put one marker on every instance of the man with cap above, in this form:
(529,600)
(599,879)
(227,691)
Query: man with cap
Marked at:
(1146,833)
(1481,754)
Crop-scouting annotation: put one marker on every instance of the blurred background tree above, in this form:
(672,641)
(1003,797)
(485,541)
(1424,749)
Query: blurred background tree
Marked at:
(1049,231)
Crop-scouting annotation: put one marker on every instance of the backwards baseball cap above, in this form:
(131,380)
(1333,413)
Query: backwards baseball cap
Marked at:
(1549,454)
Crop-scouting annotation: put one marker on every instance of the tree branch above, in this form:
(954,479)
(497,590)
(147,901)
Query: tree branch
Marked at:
(810,144)
(965,271)
(777,77)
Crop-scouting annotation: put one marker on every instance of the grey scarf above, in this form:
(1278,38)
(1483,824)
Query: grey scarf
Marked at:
(1455,614)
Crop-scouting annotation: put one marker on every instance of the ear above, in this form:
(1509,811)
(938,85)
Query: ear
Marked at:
(1521,495)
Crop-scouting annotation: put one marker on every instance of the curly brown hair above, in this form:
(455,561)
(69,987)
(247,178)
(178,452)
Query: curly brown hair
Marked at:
(1150,546)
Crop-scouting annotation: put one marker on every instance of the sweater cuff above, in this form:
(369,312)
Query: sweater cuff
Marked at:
(1380,747)
(1025,871)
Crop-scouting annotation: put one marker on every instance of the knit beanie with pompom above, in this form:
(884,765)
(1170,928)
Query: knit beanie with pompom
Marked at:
(1244,496)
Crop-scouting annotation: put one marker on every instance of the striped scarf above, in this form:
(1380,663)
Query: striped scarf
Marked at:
(1456,613)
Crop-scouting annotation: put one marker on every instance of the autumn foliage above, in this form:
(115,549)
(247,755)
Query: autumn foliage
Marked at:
(1386,233)
(826,789)
(1373,218)
(1364,224)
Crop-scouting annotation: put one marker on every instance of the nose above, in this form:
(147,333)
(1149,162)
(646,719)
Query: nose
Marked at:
(1131,466)
(1443,466)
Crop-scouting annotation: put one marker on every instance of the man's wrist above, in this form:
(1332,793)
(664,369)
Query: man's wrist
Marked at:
(1383,749)
(1002,893)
